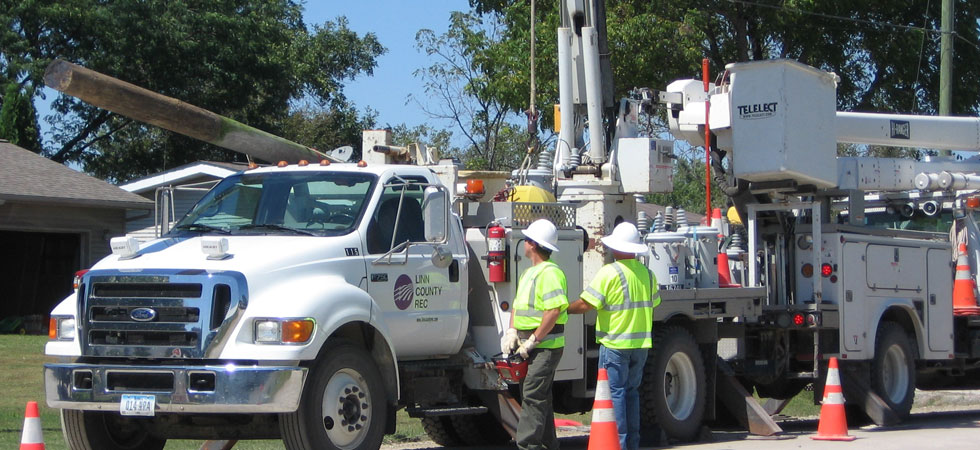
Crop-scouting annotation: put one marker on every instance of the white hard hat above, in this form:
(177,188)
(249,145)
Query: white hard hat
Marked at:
(543,232)
(625,238)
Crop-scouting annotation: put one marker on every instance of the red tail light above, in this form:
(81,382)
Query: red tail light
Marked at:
(826,270)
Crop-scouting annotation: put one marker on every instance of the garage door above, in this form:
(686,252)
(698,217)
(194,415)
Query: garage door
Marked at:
(36,271)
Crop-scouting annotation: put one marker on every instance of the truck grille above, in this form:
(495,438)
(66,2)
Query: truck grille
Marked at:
(169,314)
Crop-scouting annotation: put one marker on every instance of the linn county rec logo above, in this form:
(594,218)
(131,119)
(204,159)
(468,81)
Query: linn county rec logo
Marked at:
(404,291)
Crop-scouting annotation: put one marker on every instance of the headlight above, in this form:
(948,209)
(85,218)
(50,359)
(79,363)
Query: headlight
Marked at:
(61,328)
(267,331)
(283,331)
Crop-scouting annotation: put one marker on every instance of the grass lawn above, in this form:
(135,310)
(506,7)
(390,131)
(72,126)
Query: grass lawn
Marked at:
(22,357)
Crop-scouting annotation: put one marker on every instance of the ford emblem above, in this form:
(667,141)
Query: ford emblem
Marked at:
(143,314)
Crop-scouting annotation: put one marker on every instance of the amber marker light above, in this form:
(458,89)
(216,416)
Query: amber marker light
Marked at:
(324,162)
(807,270)
(973,202)
(282,164)
(303,163)
(362,163)
(52,328)
(297,331)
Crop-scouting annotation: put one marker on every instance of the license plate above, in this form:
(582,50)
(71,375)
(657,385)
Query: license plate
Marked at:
(137,405)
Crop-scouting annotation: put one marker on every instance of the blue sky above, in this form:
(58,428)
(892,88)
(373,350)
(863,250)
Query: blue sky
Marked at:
(395,22)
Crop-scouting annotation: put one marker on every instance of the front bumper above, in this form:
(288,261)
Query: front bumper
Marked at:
(235,389)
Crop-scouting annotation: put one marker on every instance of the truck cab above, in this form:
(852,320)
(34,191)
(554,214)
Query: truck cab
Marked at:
(240,308)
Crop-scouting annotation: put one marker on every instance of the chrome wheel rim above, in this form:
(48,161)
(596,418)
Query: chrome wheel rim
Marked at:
(346,409)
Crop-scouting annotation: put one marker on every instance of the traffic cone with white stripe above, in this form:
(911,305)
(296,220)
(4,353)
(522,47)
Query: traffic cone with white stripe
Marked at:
(603,434)
(833,422)
(32,439)
(964,296)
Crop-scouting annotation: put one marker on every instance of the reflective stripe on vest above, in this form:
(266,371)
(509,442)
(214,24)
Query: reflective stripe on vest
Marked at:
(627,299)
(531,311)
(622,336)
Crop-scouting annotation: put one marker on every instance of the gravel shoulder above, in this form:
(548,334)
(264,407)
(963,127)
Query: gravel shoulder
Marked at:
(934,412)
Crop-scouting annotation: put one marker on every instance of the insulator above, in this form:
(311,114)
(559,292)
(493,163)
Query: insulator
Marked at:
(658,223)
(681,219)
(642,222)
(669,218)
(546,159)
(736,242)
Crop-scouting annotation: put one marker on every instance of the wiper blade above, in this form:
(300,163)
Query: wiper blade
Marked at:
(201,227)
(272,226)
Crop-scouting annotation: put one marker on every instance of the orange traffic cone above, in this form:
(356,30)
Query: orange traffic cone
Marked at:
(724,271)
(603,435)
(32,439)
(833,423)
(964,296)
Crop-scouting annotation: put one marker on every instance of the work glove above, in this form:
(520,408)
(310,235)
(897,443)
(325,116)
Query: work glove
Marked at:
(509,342)
(525,349)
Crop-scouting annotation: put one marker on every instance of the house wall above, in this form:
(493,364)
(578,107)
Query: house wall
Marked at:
(95,225)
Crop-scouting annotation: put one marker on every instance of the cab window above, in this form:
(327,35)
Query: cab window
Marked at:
(398,217)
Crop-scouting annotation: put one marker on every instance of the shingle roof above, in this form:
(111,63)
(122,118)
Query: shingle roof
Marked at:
(29,177)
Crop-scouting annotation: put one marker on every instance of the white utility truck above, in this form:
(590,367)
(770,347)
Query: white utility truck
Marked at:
(309,301)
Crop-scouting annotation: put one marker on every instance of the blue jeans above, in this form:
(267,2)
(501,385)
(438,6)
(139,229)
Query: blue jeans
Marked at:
(625,370)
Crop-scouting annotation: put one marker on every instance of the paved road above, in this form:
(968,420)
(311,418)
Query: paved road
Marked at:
(945,430)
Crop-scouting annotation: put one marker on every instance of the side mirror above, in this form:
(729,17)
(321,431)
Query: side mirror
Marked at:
(435,209)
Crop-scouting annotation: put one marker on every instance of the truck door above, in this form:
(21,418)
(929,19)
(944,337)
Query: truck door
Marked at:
(423,304)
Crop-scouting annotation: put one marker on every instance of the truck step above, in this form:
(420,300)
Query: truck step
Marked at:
(459,411)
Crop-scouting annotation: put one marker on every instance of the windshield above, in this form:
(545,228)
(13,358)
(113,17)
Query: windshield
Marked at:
(314,203)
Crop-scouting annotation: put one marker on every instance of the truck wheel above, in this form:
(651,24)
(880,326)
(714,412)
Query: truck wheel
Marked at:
(94,430)
(343,405)
(480,429)
(893,368)
(440,429)
(673,391)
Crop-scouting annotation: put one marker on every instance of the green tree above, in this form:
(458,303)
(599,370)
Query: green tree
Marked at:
(466,84)
(18,119)
(245,59)
(327,129)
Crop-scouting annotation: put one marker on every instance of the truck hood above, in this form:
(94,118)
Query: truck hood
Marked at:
(252,255)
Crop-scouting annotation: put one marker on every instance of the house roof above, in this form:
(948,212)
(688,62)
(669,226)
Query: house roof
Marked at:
(28,177)
(187,172)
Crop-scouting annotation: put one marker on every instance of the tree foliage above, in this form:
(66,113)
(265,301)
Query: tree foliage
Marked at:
(18,119)
(245,59)
(468,85)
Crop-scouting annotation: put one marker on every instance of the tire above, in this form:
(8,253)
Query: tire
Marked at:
(343,407)
(673,391)
(441,431)
(480,429)
(94,430)
(893,368)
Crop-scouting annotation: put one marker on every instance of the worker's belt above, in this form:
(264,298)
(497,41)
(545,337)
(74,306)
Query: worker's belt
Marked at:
(555,333)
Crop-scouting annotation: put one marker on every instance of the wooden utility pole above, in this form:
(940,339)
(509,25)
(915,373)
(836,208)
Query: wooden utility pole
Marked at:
(946,64)
(169,113)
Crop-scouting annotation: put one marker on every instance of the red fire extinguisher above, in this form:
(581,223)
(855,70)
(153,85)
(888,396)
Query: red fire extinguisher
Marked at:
(496,253)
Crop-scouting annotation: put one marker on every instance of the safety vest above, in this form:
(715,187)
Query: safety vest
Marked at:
(542,287)
(624,294)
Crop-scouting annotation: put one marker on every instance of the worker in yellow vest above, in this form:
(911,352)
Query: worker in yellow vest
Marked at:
(537,326)
(624,294)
